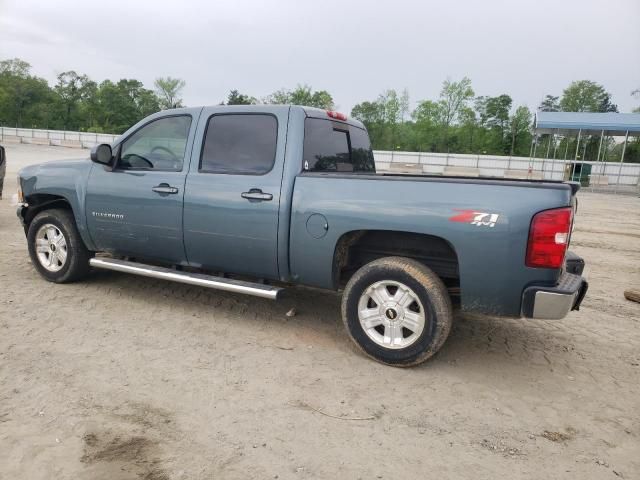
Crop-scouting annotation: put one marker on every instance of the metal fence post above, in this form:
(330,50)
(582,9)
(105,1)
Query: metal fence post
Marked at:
(532,158)
(546,156)
(575,158)
(598,161)
(624,149)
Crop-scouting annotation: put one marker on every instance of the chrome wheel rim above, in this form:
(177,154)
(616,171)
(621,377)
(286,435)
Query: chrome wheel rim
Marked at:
(51,247)
(391,314)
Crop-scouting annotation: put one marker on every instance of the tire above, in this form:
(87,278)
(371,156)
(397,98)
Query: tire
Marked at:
(411,289)
(44,232)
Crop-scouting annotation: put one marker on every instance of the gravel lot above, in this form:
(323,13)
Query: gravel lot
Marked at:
(123,377)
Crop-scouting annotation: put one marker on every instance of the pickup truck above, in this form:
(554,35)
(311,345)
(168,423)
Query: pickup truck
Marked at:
(254,199)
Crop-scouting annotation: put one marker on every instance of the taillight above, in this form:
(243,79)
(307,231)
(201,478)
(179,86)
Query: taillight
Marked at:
(549,237)
(336,115)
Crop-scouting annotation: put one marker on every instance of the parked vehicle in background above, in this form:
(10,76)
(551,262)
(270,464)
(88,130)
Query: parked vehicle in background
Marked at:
(290,195)
(3,168)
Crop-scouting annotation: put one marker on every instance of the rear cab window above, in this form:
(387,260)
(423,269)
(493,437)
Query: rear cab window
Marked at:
(331,146)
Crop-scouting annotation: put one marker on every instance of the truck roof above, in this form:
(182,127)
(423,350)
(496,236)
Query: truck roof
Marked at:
(314,112)
(311,112)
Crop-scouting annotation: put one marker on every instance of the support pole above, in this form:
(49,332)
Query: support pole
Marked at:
(624,149)
(598,160)
(566,152)
(531,159)
(546,157)
(555,149)
(575,159)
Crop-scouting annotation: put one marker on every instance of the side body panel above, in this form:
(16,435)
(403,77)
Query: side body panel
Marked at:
(491,259)
(66,179)
(222,230)
(125,216)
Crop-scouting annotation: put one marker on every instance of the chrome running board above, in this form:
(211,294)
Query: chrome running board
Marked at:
(218,283)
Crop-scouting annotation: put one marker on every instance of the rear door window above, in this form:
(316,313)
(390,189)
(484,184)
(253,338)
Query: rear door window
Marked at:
(240,144)
(336,147)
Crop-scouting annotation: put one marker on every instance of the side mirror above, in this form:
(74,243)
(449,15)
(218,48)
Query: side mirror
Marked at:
(102,154)
(2,155)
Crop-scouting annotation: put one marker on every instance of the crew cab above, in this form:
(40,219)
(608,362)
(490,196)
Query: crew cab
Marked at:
(255,199)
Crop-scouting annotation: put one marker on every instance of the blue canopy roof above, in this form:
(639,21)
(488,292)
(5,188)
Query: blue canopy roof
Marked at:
(590,123)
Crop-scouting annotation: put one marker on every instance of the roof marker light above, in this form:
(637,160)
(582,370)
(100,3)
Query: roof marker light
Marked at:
(337,115)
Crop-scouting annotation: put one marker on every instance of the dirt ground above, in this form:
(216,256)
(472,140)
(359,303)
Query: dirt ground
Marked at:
(123,377)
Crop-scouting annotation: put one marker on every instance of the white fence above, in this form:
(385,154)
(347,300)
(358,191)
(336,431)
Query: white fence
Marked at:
(603,176)
(54,137)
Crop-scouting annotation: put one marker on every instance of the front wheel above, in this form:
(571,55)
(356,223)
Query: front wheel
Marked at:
(55,247)
(397,311)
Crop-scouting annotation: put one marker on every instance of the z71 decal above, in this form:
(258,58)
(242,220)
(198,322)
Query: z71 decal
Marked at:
(480,219)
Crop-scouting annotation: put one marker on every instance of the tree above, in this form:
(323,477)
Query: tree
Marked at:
(24,99)
(519,126)
(237,98)
(468,129)
(494,114)
(636,94)
(302,95)
(428,117)
(372,116)
(404,104)
(15,66)
(454,96)
(76,102)
(586,96)
(123,104)
(368,113)
(168,90)
(71,90)
(550,103)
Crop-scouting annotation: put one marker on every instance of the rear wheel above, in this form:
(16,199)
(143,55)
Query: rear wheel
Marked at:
(55,247)
(397,311)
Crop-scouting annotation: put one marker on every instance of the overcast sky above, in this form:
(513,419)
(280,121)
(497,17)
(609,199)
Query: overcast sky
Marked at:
(354,49)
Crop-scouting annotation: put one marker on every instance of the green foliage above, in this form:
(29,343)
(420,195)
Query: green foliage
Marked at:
(237,98)
(636,94)
(456,121)
(76,102)
(22,95)
(168,90)
(72,92)
(550,103)
(586,96)
(302,95)
(519,127)
(453,122)
(120,105)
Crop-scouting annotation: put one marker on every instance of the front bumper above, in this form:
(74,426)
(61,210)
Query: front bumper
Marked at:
(20,210)
(554,303)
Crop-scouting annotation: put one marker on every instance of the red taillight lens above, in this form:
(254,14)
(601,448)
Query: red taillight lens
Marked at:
(548,238)
(336,115)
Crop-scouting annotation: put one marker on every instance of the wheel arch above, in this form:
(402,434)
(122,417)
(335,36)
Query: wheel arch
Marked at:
(359,247)
(39,202)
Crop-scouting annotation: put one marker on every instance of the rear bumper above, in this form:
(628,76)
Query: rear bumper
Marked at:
(554,303)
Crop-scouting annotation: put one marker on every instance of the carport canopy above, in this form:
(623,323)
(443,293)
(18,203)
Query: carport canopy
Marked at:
(568,123)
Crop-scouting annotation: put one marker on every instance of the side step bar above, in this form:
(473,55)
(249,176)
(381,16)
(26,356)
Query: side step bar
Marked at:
(218,283)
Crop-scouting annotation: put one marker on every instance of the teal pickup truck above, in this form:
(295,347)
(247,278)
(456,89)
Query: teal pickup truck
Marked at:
(253,199)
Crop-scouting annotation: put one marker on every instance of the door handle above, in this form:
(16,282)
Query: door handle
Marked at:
(164,188)
(257,194)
